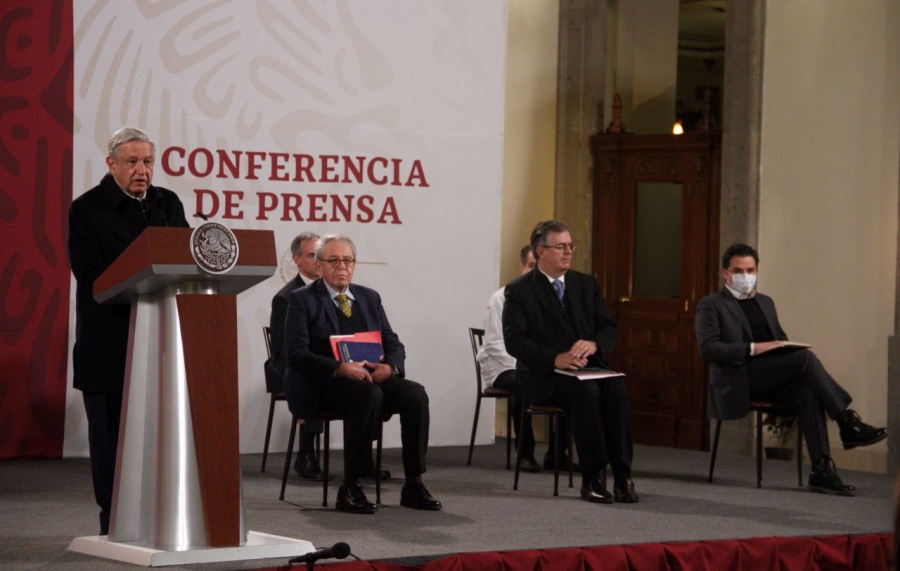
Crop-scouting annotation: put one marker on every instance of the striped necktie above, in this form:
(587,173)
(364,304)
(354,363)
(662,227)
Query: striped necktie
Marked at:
(345,304)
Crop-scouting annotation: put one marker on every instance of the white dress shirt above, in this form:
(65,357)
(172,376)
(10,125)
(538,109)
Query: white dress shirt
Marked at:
(492,356)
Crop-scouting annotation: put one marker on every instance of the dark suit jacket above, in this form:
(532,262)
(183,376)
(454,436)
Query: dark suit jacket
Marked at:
(311,321)
(724,336)
(535,329)
(275,364)
(102,223)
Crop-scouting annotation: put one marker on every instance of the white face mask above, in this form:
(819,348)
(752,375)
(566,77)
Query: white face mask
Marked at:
(743,283)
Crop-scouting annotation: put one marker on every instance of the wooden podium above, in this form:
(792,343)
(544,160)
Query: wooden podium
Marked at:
(177,493)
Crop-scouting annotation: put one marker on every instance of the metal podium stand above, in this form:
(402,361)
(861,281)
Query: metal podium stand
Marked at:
(177,497)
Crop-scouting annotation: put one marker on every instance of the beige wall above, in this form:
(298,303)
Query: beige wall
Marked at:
(530,126)
(828,190)
(529,136)
(643,63)
(829,177)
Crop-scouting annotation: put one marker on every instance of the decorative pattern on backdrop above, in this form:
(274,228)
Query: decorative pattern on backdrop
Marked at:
(324,117)
(36,126)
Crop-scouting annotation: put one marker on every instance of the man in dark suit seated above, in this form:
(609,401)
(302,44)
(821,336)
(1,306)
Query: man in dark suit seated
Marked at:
(362,392)
(303,252)
(498,370)
(743,342)
(555,318)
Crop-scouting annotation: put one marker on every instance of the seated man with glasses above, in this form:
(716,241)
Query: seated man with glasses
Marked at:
(555,318)
(362,392)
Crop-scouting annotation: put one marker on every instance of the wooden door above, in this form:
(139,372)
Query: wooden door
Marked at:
(656,210)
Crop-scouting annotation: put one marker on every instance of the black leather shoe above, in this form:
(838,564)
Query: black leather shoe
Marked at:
(414,495)
(352,499)
(385,475)
(308,467)
(823,478)
(596,492)
(530,465)
(855,432)
(563,463)
(623,490)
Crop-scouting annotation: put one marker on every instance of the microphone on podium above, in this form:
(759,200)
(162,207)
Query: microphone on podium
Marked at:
(339,550)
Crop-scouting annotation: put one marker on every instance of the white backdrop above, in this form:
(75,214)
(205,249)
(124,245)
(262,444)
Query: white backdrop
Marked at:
(411,90)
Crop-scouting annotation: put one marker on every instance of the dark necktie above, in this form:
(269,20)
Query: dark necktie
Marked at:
(558,286)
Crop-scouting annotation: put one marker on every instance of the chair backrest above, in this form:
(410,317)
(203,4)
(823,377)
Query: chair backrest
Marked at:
(267,335)
(476,338)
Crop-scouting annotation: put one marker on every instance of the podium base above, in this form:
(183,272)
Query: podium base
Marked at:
(258,546)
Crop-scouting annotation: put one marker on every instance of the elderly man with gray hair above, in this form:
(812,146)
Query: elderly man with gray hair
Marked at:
(362,392)
(102,223)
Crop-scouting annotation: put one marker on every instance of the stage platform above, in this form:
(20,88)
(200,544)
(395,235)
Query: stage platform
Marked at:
(45,504)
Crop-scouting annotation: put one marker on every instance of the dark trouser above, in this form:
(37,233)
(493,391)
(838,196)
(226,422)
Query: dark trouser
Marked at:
(507,381)
(103,412)
(308,433)
(799,379)
(363,405)
(599,414)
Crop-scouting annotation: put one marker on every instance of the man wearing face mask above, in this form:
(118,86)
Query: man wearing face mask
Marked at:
(741,339)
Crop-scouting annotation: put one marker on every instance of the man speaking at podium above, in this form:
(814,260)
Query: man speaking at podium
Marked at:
(361,392)
(102,223)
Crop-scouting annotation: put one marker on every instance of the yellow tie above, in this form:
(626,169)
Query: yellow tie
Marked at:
(345,304)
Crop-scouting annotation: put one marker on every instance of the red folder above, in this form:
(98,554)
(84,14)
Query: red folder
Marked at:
(363,336)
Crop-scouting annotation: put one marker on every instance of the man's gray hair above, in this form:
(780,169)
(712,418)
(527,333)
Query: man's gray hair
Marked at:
(302,237)
(328,239)
(126,135)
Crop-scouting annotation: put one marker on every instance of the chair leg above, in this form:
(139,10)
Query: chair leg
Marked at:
(554,425)
(715,449)
(571,462)
(268,432)
(287,458)
(474,428)
(327,433)
(759,448)
(509,415)
(519,450)
(799,456)
(378,464)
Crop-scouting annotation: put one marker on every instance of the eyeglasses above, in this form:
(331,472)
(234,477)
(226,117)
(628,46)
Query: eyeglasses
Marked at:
(562,247)
(336,262)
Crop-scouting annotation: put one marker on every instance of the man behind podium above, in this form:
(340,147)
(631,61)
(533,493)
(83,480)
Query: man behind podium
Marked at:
(361,392)
(102,223)
(555,318)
